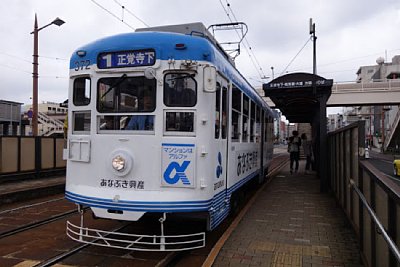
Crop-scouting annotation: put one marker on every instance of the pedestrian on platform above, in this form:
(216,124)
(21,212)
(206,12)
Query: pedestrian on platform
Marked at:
(307,147)
(294,150)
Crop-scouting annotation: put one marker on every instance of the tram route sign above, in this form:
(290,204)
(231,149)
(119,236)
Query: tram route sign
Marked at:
(126,59)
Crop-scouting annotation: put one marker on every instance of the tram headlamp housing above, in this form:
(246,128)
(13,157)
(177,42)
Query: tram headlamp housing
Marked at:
(119,163)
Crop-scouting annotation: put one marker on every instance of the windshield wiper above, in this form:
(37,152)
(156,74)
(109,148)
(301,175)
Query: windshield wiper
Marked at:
(117,82)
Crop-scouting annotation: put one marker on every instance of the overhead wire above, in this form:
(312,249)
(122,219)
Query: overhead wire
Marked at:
(130,12)
(112,14)
(55,58)
(28,61)
(253,59)
(300,68)
(16,57)
(13,68)
(291,61)
(248,44)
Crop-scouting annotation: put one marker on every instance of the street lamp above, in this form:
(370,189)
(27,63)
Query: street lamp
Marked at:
(35,74)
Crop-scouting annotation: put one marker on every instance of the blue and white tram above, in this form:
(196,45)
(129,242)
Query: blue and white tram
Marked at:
(161,122)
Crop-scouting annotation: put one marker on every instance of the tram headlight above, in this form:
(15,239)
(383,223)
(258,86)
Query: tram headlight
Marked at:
(118,163)
(121,162)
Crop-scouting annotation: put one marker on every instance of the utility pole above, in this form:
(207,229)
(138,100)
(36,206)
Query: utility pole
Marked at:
(314,38)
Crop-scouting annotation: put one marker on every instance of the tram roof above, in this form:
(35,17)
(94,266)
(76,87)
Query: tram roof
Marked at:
(164,43)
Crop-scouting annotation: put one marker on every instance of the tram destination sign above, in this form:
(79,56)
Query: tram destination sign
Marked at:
(126,59)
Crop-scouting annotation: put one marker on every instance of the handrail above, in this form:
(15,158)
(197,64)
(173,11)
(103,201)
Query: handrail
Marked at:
(52,125)
(387,238)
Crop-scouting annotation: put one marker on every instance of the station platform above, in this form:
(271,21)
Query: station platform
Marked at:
(18,190)
(290,223)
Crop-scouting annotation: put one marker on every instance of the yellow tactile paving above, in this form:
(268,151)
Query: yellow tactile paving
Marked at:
(282,259)
(322,251)
(263,246)
(288,248)
(27,263)
(307,250)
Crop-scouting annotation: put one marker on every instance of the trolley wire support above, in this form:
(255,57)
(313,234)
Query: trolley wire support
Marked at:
(233,46)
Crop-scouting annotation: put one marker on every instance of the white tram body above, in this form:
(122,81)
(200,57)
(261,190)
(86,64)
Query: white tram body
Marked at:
(205,133)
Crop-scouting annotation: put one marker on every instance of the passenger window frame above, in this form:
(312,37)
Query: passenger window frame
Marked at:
(147,88)
(86,96)
(234,111)
(179,133)
(189,75)
(73,122)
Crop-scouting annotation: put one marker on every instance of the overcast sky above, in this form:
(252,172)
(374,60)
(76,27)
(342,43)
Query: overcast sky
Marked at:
(350,34)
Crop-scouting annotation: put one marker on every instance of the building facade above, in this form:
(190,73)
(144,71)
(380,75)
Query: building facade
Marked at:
(379,120)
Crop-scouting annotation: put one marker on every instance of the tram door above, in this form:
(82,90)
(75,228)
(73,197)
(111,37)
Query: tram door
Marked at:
(221,132)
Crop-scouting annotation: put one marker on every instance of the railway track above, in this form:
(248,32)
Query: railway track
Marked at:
(47,244)
(29,216)
(36,224)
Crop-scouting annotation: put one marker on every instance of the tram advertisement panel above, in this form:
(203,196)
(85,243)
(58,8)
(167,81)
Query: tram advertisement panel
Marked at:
(246,161)
(178,165)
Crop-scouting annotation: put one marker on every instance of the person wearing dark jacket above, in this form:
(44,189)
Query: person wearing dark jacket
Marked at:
(307,147)
(294,150)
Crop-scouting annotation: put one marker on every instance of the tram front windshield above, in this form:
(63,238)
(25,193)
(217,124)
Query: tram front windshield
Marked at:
(126,95)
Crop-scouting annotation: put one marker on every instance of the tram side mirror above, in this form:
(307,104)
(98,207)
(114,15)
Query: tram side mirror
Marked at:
(150,73)
(210,74)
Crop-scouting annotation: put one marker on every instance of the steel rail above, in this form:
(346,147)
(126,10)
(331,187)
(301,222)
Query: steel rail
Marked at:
(31,205)
(61,256)
(36,224)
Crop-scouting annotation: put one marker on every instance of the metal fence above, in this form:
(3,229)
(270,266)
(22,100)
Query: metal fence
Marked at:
(30,156)
(370,200)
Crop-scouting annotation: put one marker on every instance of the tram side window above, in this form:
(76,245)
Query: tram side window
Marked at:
(225,112)
(245,131)
(81,91)
(258,125)
(177,121)
(252,120)
(266,126)
(81,122)
(236,113)
(217,111)
(271,129)
(180,90)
